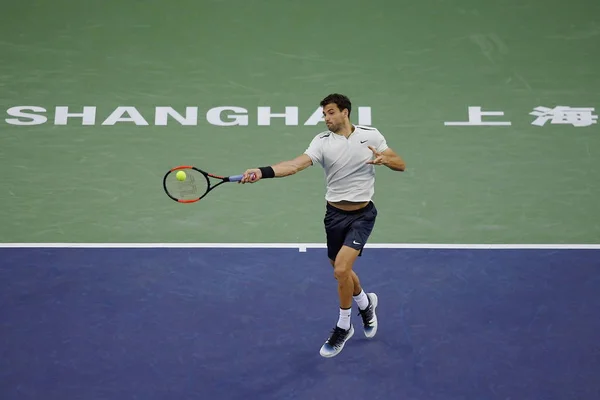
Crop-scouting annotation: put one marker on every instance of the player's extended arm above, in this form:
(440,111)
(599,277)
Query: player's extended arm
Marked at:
(279,170)
(389,158)
(291,167)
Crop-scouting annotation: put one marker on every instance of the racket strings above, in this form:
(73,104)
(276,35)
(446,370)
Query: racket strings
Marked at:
(192,187)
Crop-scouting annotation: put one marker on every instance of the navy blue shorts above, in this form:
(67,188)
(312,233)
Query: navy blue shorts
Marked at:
(349,228)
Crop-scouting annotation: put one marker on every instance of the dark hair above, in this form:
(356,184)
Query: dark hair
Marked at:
(340,100)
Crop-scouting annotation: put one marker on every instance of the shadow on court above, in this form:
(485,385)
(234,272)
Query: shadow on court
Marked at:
(248,324)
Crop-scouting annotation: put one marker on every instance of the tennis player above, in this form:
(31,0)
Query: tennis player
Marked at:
(348,153)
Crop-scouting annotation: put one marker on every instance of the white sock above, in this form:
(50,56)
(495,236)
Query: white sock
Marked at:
(344,320)
(362,300)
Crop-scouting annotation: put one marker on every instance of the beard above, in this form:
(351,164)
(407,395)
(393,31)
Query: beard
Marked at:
(334,127)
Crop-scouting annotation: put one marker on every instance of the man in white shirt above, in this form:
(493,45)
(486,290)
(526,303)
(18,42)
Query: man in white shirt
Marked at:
(348,154)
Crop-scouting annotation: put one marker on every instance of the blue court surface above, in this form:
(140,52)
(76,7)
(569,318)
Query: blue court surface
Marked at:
(247,323)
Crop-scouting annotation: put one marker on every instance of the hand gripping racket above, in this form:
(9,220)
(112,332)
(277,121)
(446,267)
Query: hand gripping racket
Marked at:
(193,185)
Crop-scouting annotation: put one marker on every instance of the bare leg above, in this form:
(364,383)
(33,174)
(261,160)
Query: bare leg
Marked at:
(357,288)
(348,289)
(348,285)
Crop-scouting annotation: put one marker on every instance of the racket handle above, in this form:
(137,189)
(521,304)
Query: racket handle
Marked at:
(236,178)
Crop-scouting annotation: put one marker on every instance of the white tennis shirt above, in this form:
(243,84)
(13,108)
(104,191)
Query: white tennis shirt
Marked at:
(347,174)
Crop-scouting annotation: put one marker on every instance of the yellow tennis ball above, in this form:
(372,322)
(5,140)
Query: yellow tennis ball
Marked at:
(180,175)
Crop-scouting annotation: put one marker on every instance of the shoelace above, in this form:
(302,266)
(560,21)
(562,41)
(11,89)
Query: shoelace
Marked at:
(337,336)
(366,314)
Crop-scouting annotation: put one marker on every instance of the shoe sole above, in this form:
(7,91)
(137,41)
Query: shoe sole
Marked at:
(375,302)
(341,348)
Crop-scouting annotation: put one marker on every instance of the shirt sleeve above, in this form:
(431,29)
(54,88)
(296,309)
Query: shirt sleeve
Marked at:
(315,151)
(381,143)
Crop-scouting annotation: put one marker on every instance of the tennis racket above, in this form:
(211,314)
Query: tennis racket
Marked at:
(195,186)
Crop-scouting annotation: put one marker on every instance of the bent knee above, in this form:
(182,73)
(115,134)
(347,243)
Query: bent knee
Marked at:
(341,270)
(341,274)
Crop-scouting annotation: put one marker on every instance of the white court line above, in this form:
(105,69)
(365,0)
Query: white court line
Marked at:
(302,247)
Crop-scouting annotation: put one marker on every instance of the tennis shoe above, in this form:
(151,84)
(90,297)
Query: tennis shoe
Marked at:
(369,317)
(334,345)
